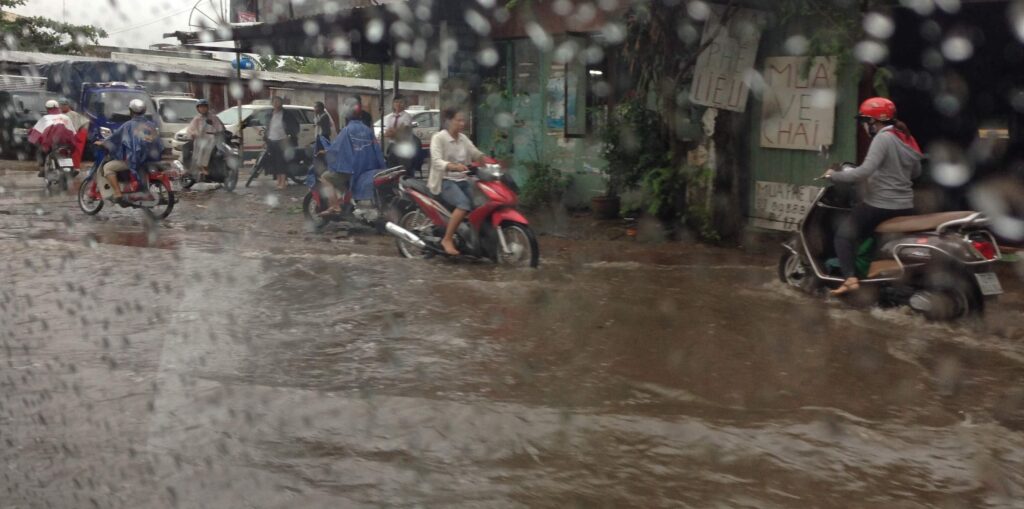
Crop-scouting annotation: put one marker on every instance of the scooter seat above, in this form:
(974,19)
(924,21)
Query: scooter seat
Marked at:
(919,223)
(417,185)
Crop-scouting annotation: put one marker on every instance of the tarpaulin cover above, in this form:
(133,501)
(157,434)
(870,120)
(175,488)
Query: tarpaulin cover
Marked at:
(66,78)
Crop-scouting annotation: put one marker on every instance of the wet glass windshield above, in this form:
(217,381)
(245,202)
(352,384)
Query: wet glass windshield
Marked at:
(31,102)
(726,254)
(177,111)
(113,104)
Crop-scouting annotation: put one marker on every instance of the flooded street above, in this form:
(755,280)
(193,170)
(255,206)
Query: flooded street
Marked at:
(229,357)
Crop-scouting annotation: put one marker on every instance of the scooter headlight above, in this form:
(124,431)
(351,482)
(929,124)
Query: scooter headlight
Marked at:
(489,172)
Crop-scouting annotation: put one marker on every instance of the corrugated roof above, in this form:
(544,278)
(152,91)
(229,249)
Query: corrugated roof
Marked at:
(212,68)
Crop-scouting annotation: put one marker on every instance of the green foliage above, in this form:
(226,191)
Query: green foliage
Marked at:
(665,192)
(544,186)
(700,218)
(36,33)
(830,30)
(635,144)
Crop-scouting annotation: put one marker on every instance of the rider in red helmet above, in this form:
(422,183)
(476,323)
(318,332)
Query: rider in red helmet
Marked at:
(892,162)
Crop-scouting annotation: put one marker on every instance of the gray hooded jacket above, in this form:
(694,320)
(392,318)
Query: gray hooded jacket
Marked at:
(889,168)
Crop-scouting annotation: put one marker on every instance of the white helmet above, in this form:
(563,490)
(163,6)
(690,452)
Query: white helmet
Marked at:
(52,105)
(137,106)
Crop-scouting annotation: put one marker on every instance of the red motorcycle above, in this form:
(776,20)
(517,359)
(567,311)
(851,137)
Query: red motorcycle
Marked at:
(494,229)
(157,201)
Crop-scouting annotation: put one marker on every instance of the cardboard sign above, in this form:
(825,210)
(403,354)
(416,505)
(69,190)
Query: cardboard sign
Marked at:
(780,206)
(799,106)
(718,76)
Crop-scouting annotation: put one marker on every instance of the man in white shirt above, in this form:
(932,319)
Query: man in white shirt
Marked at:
(397,130)
(281,138)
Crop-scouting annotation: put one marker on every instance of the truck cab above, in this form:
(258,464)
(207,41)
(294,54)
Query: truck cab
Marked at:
(106,105)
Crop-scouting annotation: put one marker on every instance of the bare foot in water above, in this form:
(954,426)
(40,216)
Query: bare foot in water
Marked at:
(449,247)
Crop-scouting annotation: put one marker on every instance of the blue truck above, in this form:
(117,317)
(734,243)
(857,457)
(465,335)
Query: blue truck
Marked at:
(101,91)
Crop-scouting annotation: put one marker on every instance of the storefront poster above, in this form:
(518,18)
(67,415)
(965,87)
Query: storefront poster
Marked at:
(780,206)
(718,79)
(799,105)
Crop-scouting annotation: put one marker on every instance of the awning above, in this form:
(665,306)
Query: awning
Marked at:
(363,34)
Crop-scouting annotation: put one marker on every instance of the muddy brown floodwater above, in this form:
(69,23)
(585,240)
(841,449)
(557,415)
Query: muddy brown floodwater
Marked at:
(230,358)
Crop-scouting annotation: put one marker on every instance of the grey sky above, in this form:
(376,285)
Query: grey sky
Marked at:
(130,23)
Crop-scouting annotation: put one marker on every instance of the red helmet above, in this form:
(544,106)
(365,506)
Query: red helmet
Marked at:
(878,108)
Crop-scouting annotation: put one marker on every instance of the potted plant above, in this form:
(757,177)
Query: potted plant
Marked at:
(607,205)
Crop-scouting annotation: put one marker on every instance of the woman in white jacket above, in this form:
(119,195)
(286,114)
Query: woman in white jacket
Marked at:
(450,154)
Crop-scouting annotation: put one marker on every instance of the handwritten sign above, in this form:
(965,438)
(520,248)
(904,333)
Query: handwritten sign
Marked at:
(780,206)
(718,77)
(799,106)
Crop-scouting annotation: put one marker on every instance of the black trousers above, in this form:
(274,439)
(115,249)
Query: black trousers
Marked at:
(859,225)
(279,153)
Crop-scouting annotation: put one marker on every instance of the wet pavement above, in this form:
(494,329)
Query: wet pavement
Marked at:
(230,357)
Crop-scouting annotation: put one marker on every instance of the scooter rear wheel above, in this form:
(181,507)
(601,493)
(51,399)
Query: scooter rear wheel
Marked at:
(166,199)
(414,221)
(311,210)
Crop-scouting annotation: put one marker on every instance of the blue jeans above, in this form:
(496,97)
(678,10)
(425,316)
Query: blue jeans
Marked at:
(456,194)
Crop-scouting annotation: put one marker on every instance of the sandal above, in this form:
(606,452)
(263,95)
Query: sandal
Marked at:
(848,286)
(329,212)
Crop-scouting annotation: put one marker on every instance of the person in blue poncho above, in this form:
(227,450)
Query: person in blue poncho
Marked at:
(130,147)
(353,153)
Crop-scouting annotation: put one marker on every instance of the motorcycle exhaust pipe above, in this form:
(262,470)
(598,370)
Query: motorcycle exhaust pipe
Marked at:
(405,235)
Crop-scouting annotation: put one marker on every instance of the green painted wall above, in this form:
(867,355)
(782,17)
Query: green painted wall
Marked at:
(800,167)
(530,138)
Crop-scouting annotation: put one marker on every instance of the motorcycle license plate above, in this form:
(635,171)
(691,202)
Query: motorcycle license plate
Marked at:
(988,283)
(65,163)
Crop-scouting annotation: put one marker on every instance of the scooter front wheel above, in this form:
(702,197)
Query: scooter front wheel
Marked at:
(522,246)
(796,273)
(86,202)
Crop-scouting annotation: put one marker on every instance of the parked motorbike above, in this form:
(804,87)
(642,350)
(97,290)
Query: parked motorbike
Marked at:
(383,206)
(223,167)
(494,229)
(296,169)
(157,201)
(58,167)
(941,265)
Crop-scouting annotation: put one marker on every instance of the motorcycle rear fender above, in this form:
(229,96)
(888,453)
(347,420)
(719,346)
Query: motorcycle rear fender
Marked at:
(434,210)
(501,215)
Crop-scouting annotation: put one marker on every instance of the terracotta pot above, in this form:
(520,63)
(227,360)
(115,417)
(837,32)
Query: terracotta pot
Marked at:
(605,207)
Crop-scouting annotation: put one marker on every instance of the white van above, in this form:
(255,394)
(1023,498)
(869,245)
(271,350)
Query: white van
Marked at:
(176,112)
(254,126)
